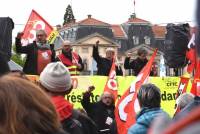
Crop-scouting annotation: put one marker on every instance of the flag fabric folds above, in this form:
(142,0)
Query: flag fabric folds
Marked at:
(111,84)
(34,23)
(127,106)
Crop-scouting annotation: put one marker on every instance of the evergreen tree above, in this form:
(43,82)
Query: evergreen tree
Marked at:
(69,16)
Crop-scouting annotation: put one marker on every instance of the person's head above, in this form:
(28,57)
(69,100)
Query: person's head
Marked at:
(107,98)
(25,108)
(184,99)
(66,46)
(18,73)
(149,96)
(110,52)
(56,79)
(142,53)
(41,36)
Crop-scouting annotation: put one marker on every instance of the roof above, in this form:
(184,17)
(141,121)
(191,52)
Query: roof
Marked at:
(118,31)
(92,21)
(14,66)
(137,20)
(77,42)
(159,31)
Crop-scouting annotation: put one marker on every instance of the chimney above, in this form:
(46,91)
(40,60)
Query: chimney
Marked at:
(133,15)
(89,16)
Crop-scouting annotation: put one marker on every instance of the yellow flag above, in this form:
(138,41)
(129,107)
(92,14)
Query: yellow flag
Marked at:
(52,36)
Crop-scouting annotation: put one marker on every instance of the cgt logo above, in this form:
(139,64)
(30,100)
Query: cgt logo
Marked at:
(112,83)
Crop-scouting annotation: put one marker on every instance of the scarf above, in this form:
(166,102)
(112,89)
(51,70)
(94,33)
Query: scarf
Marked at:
(63,107)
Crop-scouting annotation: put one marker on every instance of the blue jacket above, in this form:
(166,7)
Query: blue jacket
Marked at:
(143,120)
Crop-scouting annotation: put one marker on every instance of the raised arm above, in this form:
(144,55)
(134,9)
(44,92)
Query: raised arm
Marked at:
(19,47)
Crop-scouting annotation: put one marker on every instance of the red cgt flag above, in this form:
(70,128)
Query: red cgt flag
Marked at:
(35,22)
(181,89)
(127,106)
(182,86)
(111,84)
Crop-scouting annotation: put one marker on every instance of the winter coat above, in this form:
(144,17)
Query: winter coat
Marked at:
(137,64)
(143,120)
(30,66)
(73,121)
(99,113)
(104,64)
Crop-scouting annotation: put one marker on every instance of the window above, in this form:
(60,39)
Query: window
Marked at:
(85,50)
(135,40)
(147,40)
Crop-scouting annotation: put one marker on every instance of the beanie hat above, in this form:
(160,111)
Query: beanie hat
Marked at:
(56,77)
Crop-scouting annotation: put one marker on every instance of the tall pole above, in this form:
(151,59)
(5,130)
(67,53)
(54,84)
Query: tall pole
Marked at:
(134,6)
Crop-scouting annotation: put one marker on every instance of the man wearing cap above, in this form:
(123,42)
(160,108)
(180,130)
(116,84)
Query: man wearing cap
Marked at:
(70,59)
(104,63)
(39,53)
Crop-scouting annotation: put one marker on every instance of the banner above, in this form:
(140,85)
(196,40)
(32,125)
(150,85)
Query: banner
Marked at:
(34,23)
(167,85)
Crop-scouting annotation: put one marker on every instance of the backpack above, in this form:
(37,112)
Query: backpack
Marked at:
(175,46)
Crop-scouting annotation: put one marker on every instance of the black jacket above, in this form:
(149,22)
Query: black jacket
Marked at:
(30,66)
(99,113)
(137,64)
(104,64)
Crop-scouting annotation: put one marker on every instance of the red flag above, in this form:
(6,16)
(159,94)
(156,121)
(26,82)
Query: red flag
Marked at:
(195,90)
(182,86)
(191,54)
(35,22)
(127,106)
(111,84)
(181,89)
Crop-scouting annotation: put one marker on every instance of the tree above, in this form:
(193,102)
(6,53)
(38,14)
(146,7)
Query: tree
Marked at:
(17,58)
(68,16)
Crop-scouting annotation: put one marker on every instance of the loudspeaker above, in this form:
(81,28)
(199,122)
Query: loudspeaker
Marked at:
(6,27)
(175,46)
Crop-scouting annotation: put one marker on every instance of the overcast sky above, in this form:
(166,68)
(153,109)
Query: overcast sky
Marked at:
(110,11)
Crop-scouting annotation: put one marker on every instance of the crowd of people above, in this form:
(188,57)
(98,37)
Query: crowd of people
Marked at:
(40,53)
(41,108)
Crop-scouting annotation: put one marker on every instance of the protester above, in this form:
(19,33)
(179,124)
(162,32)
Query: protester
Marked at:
(102,112)
(188,108)
(4,68)
(104,64)
(56,81)
(70,59)
(26,109)
(39,53)
(183,100)
(149,98)
(137,64)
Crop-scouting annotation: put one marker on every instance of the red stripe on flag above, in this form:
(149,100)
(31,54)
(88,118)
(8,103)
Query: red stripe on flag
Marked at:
(127,106)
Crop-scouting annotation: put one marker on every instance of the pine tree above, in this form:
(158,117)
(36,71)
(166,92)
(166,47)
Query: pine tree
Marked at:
(69,16)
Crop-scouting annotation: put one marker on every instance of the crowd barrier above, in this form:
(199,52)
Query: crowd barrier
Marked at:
(167,85)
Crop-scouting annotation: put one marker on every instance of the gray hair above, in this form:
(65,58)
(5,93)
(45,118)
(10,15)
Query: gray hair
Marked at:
(184,99)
